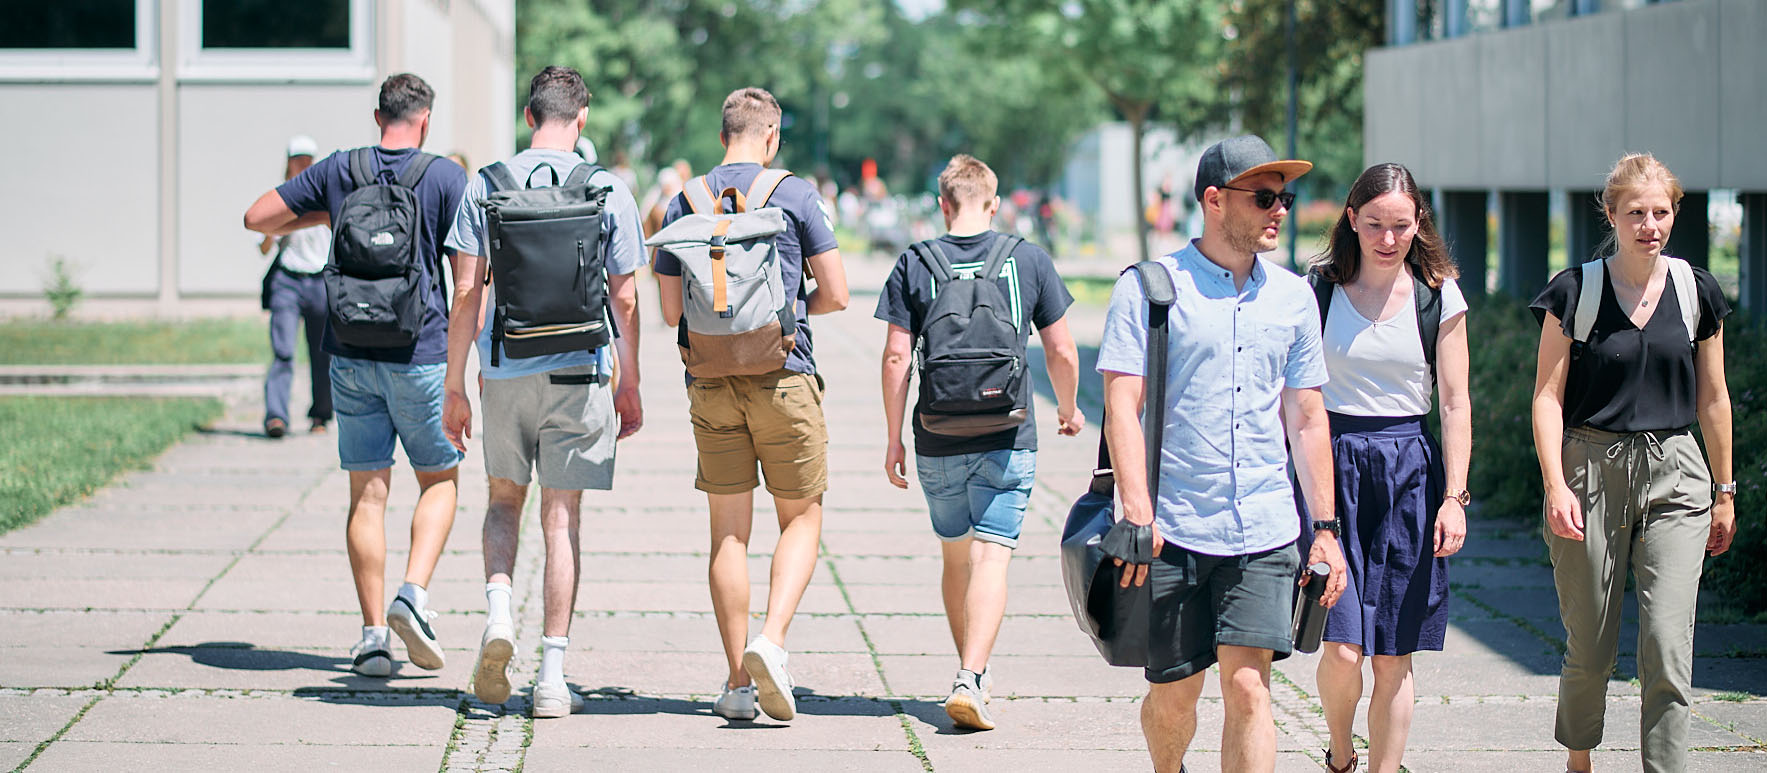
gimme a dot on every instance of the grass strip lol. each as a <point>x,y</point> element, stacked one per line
<point>140,342</point>
<point>59,449</point>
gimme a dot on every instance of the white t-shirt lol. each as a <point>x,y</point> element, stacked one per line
<point>305,251</point>
<point>1377,368</point>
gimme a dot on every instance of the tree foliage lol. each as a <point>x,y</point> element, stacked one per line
<point>1331,37</point>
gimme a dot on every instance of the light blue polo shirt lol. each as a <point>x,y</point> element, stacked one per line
<point>1224,487</point>
<point>622,242</point>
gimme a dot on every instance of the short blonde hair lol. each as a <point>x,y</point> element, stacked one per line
<point>749,111</point>
<point>966,180</point>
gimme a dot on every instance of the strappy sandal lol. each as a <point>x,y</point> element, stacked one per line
<point>1348,767</point>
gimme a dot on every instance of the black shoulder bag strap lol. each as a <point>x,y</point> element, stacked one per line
<point>1157,287</point>
<point>581,174</point>
<point>1322,292</point>
<point>1429,318</point>
<point>412,174</point>
<point>499,178</point>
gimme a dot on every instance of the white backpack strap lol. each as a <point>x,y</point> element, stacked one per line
<point>1686,292</point>
<point>762,188</point>
<point>1589,300</point>
<point>699,196</point>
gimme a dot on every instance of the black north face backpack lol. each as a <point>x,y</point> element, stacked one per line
<point>545,252</point>
<point>970,355</point>
<point>374,279</point>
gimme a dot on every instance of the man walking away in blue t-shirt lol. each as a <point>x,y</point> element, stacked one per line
<point>550,412</point>
<point>388,393</point>
<point>772,420</point>
<point>976,485</point>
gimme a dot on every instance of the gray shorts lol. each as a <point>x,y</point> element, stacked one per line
<point>565,429</point>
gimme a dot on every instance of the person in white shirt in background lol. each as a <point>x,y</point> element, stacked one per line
<point>294,292</point>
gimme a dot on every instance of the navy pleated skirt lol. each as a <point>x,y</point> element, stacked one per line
<point>1390,482</point>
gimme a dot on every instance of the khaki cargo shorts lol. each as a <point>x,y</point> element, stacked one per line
<point>774,420</point>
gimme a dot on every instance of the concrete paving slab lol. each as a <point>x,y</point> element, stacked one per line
<point>1017,675</point>
<point>66,667</point>
<point>71,532</point>
<point>12,753</point>
<point>931,635</point>
<point>1747,718</point>
<point>1554,759</point>
<point>1499,573</point>
<point>81,593</point>
<point>1460,674</point>
<point>52,630</point>
<point>545,758</point>
<point>34,718</point>
<point>839,543</point>
<point>110,566</point>
<point>334,592</point>
<point>1046,724</point>
<point>185,718</point>
<point>261,668</point>
<point>848,723</point>
<point>695,596</point>
<point>626,567</point>
<point>294,758</point>
<point>925,600</point>
<point>699,673</point>
<point>923,570</point>
<point>699,633</point>
<point>288,630</point>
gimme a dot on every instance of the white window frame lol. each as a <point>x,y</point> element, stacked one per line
<point>196,63</point>
<point>91,64</point>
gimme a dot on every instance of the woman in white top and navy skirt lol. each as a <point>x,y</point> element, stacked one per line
<point>1631,354</point>
<point>1384,283</point>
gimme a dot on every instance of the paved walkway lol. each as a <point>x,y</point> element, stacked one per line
<point>197,616</point>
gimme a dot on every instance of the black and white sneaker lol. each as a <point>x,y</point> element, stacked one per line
<point>370,657</point>
<point>412,626</point>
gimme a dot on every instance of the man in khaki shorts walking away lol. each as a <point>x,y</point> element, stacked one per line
<point>548,397</point>
<point>754,397</point>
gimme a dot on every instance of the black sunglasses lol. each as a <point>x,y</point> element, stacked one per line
<point>1265,199</point>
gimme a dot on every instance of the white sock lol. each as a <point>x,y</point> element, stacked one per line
<point>415,594</point>
<point>497,595</point>
<point>552,658</point>
<point>380,634</point>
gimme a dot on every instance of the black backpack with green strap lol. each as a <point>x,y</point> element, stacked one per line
<point>970,354</point>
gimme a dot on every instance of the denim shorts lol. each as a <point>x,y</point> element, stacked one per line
<point>378,402</point>
<point>981,495</point>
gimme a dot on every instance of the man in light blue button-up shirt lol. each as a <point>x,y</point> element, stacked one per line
<point>1244,360</point>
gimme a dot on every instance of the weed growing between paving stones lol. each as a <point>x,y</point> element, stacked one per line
<point>141,342</point>
<point>59,449</point>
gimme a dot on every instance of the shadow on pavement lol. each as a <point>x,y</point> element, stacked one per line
<point>244,656</point>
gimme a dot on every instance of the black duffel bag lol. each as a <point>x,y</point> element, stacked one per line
<point>1116,618</point>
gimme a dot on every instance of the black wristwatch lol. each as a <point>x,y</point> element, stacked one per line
<point>1336,529</point>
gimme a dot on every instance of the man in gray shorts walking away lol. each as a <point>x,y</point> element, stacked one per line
<point>1244,365</point>
<point>552,412</point>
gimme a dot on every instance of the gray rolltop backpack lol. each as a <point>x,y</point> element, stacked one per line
<point>1118,619</point>
<point>738,317</point>
<point>969,352</point>
<point>374,280</point>
<point>545,253</point>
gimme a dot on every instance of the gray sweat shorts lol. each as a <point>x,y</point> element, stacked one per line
<point>559,422</point>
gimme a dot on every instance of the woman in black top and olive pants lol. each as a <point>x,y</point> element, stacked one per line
<point>1616,392</point>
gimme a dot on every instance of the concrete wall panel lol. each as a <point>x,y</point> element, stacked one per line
<point>1742,89</point>
<point>82,167</point>
<point>1392,129</point>
<point>1452,135</point>
<point>231,145</point>
<point>1512,107</point>
<point>1586,97</point>
<point>427,48</point>
<point>1671,78</point>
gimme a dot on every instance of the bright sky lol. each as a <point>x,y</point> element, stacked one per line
<point>919,9</point>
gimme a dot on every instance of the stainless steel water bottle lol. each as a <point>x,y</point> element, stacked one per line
<point>1309,613</point>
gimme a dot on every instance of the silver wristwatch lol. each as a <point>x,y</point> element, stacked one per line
<point>1725,488</point>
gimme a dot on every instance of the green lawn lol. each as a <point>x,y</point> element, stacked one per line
<point>193,342</point>
<point>55,450</point>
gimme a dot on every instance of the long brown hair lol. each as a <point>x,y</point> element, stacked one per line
<point>1428,257</point>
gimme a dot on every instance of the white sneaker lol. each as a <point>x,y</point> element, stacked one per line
<point>967,706</point>
<point>371,657</point>
<point>736,702</point>
<point>412,626</point>
<point>765,662</point>
<point>490,676</point>
<point>985,681</point>
<point>553,700</point>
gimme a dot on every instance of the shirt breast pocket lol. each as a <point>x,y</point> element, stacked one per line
<point>1269,346</point>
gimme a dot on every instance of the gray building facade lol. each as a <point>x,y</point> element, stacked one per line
<point>1514,100</point>
<point>136,138</point>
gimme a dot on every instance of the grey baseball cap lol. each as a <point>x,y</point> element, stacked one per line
<point>1228,161</point>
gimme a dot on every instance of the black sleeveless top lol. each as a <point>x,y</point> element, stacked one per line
<point>1626,379</point>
